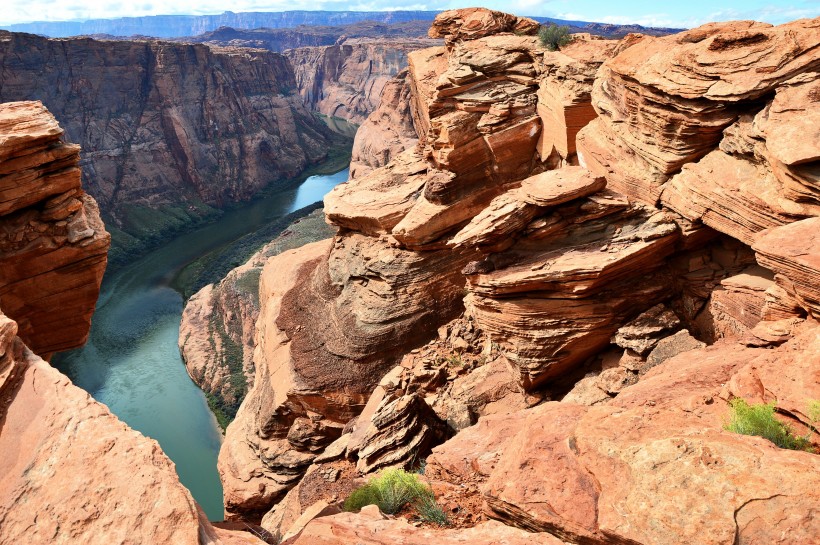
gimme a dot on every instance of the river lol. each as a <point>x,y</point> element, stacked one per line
<point>131,361</point>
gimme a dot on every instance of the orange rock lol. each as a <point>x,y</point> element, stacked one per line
<point>372,528</point>
<point>793,252</point>
<point>53,243</point>
<point>660,443</point>
<point>473,23</point>
<point>73,472</point>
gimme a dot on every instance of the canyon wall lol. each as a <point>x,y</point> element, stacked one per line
<point>281,39</point>
<point>168,130</point>
<point>71,472</point>
<point>345,80</point>
<point>540,278</point>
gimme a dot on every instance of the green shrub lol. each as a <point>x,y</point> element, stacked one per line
<point>393,489</point>
<point>429,510</point>
<point>759,420</point>
<point>554,37</point>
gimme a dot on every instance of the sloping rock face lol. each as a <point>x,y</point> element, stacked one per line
<point>387,131</point>
<point>216,333</point>
<point>635,470</point>
<point>373,528</point>
<point>346,80</point>
<point>166,124</point>
<point>549,232</point>
<point>72,472</point>
<point>52,242</point>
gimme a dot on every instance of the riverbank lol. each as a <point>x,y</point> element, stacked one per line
<point>132,361</point>
<point>146,229</point>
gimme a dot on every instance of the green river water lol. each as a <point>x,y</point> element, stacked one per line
<point>131,361</point>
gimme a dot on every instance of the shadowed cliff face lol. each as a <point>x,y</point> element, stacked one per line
<point>163,123</point>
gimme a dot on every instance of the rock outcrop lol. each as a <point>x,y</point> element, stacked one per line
<point>346,79</point>
<point>635,470</point>
<point>216,334</point>
<point>565,230</point>
<point>168,130</point>
<point>52,242</point>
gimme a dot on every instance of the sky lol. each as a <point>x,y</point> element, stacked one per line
<point>687,13</point>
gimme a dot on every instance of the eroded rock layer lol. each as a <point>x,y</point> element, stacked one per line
<point>634,470</point>
<point>52,242</point>
<point>587,216</point>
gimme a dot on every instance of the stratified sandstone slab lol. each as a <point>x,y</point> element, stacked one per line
<point>53,243</point>
<point>793,251</point>
<point>664,102</point>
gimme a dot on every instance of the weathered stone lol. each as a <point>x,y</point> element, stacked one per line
<point>53,243</point>
<point>644,332</point>
<point>660,442</point>
<point>792,251</point>
<point>473,23</point>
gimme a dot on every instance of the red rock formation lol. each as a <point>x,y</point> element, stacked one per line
<point>562,260</point>
<point>635,470</point>
<point>346,80</point>
<point>52,242</point>
<point>387,131</point>
<point>665,102</point>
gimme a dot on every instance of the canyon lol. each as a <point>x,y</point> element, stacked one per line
<point>170,132</point>
<point>546,281</point>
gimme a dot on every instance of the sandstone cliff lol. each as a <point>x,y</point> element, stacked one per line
<point>569,223</point>
<point>387,131</point>
<point>52,242</point>
<point>168,130</point>
<point>216,335</point>
<point>71,472</point>
<point>345,80</point>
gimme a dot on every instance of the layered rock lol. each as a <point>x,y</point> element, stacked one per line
<point>167,126</point>
<point>387,131</point>
<point>793,252</point>
<point>664,102</point>
<point>587,474</point>
<point>553,262</point>
<point>557,296</point>
<point>346,79</point>
<point>326,328</point>
<point>52,242</point>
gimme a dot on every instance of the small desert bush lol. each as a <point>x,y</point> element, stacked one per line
<point>759,420</point>
<point>393,489</point>
<point>554,37</point>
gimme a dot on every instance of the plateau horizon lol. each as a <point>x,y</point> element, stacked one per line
<point>683,14</point>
